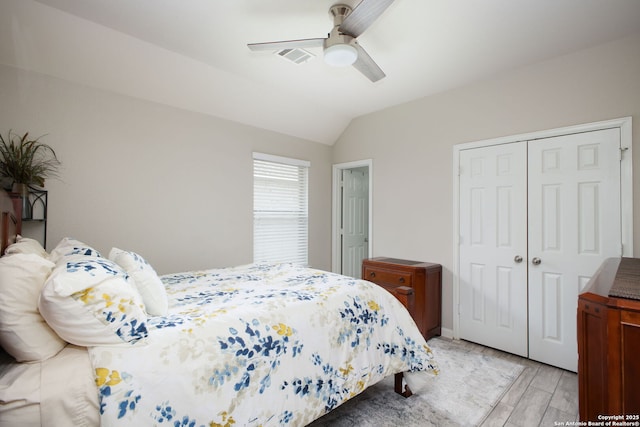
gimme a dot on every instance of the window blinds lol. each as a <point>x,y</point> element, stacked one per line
<point>280,209</point>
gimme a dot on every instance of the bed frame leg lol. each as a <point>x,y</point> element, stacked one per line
<point>398,386</point>
<point>406,296</point>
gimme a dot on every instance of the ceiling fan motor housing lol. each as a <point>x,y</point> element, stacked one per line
<point>337,39</point>
<point>338,49</point>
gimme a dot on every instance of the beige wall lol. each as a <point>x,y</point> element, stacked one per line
<point>176,186</point>
<point>411,144</point>
<point>173,185</point>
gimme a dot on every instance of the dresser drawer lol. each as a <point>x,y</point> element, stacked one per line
<point>387,278</point>
<point>418,285</point>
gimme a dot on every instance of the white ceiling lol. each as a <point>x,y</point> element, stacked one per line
<point>193,53</point>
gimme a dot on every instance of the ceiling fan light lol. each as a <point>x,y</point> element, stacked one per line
<point>340,55</point>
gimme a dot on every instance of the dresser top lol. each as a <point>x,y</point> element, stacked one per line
<point>401,262</point>
<point>616,279</point>
<point>627,280</point>
<point>397,261</point>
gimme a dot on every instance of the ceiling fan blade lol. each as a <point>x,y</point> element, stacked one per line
<point>363,16</point>
<point>366,65</point>
<point>286,44</point>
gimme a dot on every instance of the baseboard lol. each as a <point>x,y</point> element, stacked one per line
<point>447,333</point>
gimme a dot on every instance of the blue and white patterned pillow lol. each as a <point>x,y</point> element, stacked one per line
<point>70,247</point>
<point>146,280</point>
<point>91,301</point>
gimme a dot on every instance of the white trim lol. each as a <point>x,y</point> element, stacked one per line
<point>626,189</point>
<point>336,206</point>
<point>280,159</point>
<point>455,267</point>
<point>626,195</point>
<point>607,124</point>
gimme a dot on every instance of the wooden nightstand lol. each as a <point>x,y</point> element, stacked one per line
<point>425,279</point>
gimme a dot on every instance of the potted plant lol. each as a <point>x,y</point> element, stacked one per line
<point>26,162</point>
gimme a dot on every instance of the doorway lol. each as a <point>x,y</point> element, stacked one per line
<point>351,218</point>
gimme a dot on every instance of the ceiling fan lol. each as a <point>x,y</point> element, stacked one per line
<point>341,47</point>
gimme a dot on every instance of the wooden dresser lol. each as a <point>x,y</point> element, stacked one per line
<point>609,342</point>
<point>425,279</point>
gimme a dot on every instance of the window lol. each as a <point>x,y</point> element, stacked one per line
<point>280,214</point>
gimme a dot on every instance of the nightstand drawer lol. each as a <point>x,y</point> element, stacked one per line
<point>388,278</point>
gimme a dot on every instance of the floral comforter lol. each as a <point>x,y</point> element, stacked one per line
<point>257,345</point>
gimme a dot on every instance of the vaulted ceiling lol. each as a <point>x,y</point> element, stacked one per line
<point>193,53</point>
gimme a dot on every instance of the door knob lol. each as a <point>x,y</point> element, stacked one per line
<point>518,259</point>
<point>536,261</point>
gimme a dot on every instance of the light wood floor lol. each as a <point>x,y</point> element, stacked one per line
<point>541,396</point>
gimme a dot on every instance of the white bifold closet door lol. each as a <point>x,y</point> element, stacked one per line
<point>537,218</point>
<point>574,225</point>
<point>493,244</point>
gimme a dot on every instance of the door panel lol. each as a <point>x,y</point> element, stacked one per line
<point>355,220</point>
<point>493,293</point>
<point>574,225</point>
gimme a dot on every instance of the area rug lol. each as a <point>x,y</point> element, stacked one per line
<point>470,384</point>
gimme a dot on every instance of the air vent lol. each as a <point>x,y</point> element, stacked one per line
<point>297,56</point>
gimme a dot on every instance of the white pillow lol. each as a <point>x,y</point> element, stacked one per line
<point>146,280</point>
<point>90,301</point>
<point>69,246</point>
<point>23,332</point>
<point>25,245</point>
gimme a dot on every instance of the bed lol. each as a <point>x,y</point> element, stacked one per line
<point>100,339</point>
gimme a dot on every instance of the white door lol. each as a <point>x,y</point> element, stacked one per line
<point>493,244</point>
<point>355,220</point>
<point>574,225</point>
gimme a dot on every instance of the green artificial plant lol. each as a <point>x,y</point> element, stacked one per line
<point>27,161</point>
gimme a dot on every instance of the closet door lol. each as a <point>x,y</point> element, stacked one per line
<point>574,225</point>
<point>493,243</point>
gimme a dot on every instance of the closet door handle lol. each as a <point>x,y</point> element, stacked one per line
<point>518,259</point>
<point>536,261</point>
